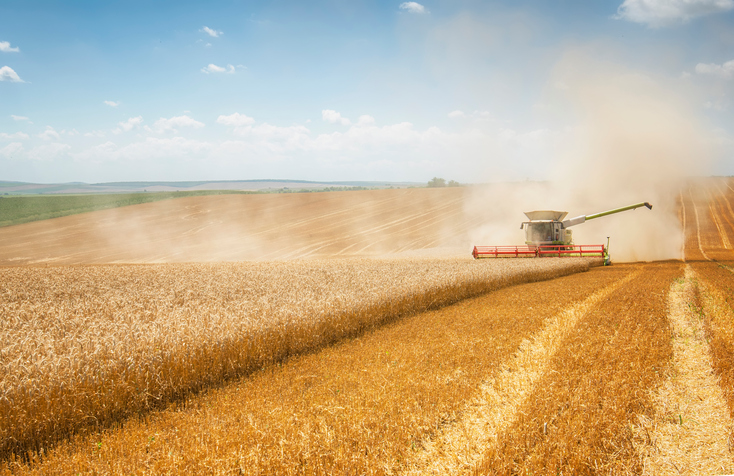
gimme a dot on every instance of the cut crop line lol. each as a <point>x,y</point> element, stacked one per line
<point>722,233</point>
<point>728,217</point>
<point>461,446</point>
<point>698,228</point>
<point>683,245</point>
<point>690,436</point>
<point>715,216</point>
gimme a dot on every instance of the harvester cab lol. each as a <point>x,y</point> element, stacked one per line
<point>548,234</point>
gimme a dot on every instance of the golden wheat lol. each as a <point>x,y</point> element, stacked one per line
<point>362,406</point>
<point>86,346</point>
<point>580,417</point>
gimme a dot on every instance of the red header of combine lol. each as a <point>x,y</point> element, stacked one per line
<point>533,251</point>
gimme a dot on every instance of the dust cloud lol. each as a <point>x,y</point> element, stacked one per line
<point>632,138</point>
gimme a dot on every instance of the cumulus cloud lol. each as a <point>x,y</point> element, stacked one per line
<point>49,134</point>
<point>211,32</point>
<point>333,117</point>
<point>128,125</point>
<point>365,120</point>
<point>476,115</point>
<point>212,68</point>
<point>99,134</point>
<point>236,120</point>
<point>112,103</point>
<point>413,7</point>
<point>47,152</point>
<point>19,118</point>
<point>657,13</point>
<point>175,123</point>
<point>7,74</point>
<point>267,137</point>
<point>725,70</point>
<point>6,48</point>
<point>17,135</point>
<point>152,148</point>
<point>11,150</point>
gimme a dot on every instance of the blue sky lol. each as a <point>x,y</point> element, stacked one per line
<point>354,90</point>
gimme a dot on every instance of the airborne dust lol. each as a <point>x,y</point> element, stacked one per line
<point>633,138</point>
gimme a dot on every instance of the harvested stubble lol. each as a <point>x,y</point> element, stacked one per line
<point>580,418</point>
<point>716,298</point>
<point>83,347</point>
<point>359,407</point>
<point>690,434</point>
<point>707,213</point>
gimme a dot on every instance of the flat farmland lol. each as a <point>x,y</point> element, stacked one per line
<point>408,365</point>
<point>246,227</point>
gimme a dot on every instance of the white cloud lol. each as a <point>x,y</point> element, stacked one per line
<point>174,123</point>
<point>49,134</point>
<point>96,134</point>
<point>333,117</point>
<point>128,125</point>
<point>482,115</point>
<point>47,152</point>
<point>236,120</point>
<point>7,74</point>
<point>152,148</point>
<point>365,120</point>
<point>19,118</point>
<point>212,68</point>
<point>11,150</point>
<point>725,70</point>
<point>413,7</point>
<point>17,135</point>
<point>210,32</point>
<point>6,48</point>
<point>657,13</point>
<point>476,115</point>
<point>112,103</point>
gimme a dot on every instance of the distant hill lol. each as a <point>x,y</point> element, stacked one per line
<point>272,185</point>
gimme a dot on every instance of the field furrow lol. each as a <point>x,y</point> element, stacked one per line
<point>579,418</point>
<point>459,447</point>
<point>716,297</point>
<point>690,430</point>
<point>360,407</point>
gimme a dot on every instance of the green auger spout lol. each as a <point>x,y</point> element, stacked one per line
<point>583,218</point>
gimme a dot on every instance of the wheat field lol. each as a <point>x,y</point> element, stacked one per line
<point>89,346</point>
<point>377,366</point>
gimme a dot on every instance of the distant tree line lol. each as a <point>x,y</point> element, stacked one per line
<point>438,182</point>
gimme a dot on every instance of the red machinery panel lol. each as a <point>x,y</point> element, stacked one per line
<point>532,251</point>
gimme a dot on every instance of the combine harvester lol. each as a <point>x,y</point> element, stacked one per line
<point>547,235</point>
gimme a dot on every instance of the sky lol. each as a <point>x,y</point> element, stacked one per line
<point>337,90</point>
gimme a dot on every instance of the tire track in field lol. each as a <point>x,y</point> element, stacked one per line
<point>727,202</point>
<point>425,219</point>
<point>459,448</point>
<point>690,435</point>
<point>717,221</point>
<point>698,227</point>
